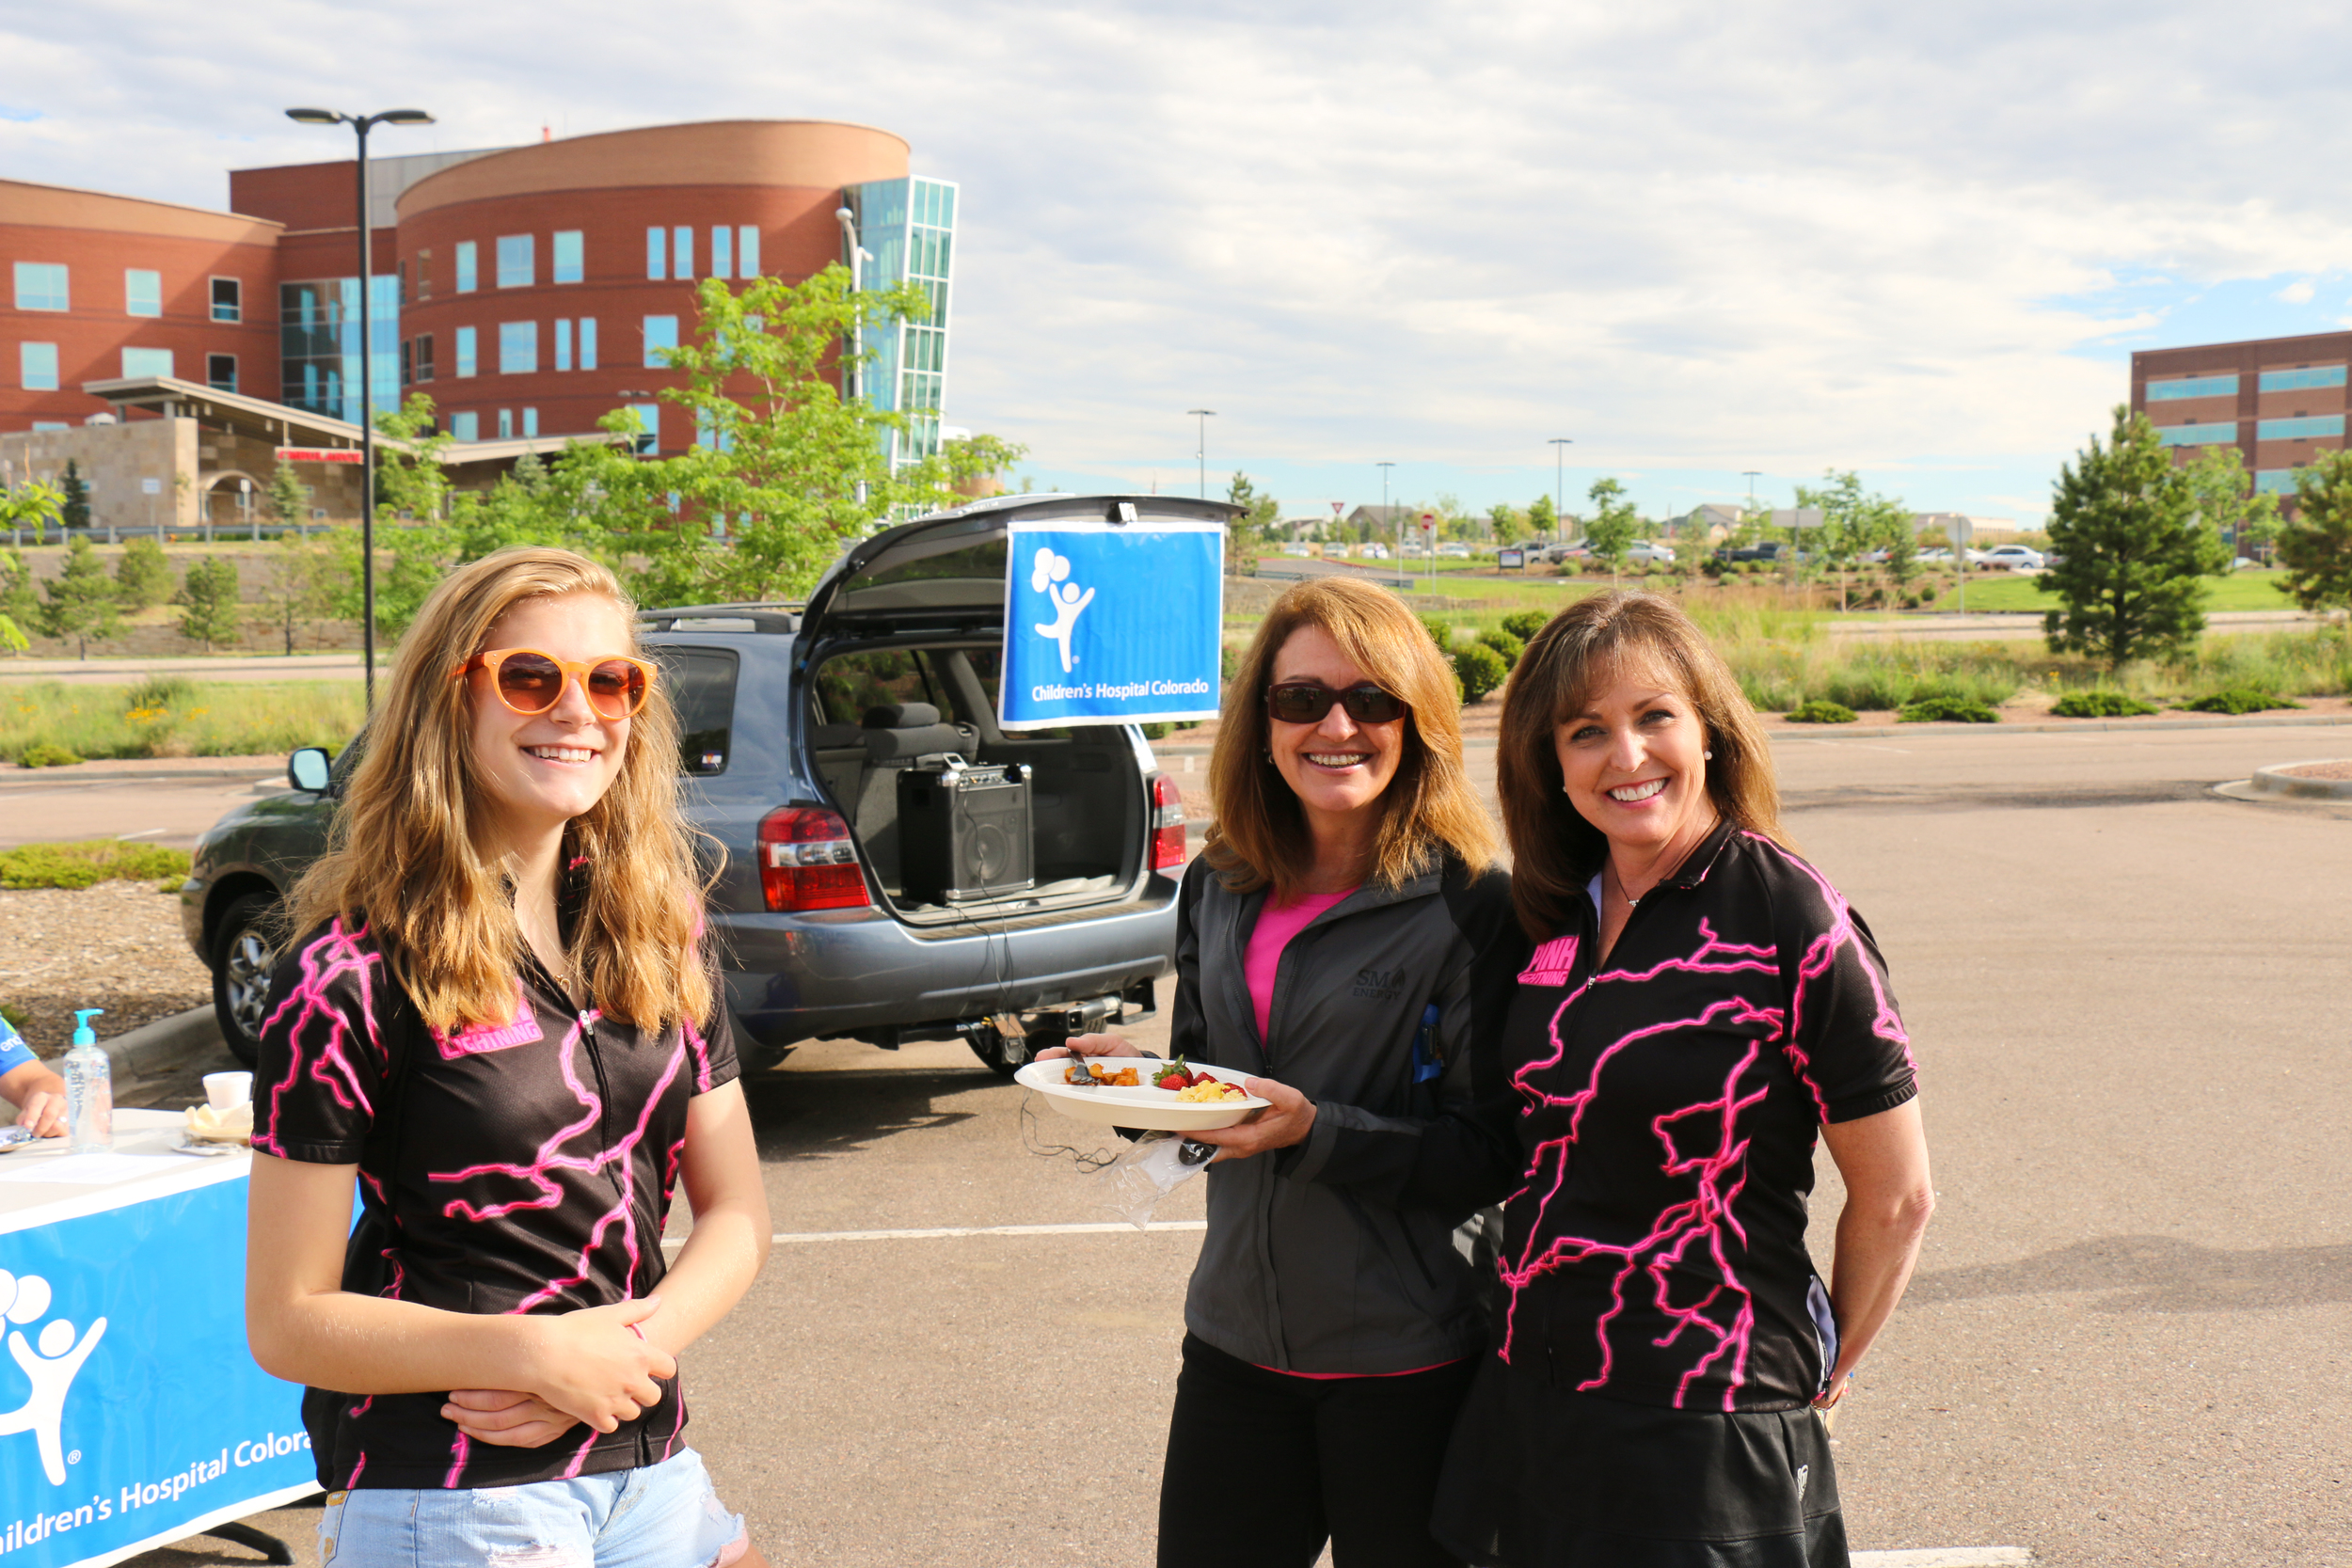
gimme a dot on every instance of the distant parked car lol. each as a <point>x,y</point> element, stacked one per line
<point>1375,552</point>
<point>1454,550</point>
<point>2017,558</point>
<point>1649,553</point>
<point>1767,549</point>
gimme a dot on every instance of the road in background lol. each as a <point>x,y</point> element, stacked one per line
<point>241,667</point>
<point>2127,1343</point>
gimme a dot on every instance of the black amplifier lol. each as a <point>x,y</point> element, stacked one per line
<point>964,834</point>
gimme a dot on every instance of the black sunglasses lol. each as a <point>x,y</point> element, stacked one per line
<point>1307,702</point>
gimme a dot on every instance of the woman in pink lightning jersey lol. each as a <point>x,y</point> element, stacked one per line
<point>495,1020</point>
<point>1702,1008</point>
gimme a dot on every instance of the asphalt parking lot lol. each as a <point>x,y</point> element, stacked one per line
<point>2130,1341</point>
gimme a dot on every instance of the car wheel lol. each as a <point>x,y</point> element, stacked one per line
<point>243,957</point>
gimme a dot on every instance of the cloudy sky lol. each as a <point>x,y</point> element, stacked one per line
<point>1921,242</point>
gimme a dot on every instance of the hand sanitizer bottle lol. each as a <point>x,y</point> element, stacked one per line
<point>89,1089</point>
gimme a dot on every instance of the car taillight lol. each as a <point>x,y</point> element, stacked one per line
<point>1167,824</point>
<point>807,860</point>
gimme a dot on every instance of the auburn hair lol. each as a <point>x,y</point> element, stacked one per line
<point>1259,837</point>
<point>405,859</point>
<point>1555,851</point>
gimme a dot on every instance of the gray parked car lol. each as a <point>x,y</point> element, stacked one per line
<point>815,742</point>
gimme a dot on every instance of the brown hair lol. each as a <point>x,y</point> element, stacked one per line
<point>1260,837</point>
<point>1555,851</point>
<point>404,859</point>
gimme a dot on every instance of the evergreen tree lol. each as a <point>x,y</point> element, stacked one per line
<point>2316,547</point>
<point>76,511</point>
<point>2130,552</point>
<point>80,601</point>
<point>143,576</point>
<point>1241,538</point>
<point>210,595</point>
<point>289,502</point>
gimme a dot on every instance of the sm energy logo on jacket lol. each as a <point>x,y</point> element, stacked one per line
<point>130,1407</point>
<point>1111,624</point>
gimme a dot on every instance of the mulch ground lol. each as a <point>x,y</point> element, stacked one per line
<point>117,945</point>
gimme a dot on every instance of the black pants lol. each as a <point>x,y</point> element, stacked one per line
<point>1262,1467</point>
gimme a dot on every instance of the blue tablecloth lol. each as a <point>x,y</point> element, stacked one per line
<point>131,1412</point>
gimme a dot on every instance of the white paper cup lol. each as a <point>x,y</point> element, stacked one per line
<point>226,1090</point>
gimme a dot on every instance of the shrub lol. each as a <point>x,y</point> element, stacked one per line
<point>1525,623</point>
<point>45,756</point>
<point>1154,731</point>
<point>88,863</point>
<point>2237,699</point>
<point>2100,703</point>
<point>1502,642</point>
<point>1481,670</point>
<point>142,577</point>
<point>1439,633</point>
<point>161,691</point>
<point>1947,710</point>
<point>1822,712</point>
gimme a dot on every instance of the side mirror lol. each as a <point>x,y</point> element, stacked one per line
<point>307,769</point>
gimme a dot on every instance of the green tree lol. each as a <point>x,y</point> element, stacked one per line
<point>74,510</point>
<point>80,601</point>
<point>1260,514</point>
<point>1508,524</point>
<point>2132,553</point>
<point>1615,525</point>
<point>2316,547</point>
<point>31,504</point>
<point>2227,501</point>
<point>290,499</point>
<point>142,577</point>
<point>304,575</point>
<point>1854,524</point>
<point>1542,520</point>
<point>18,603</point>
<point>209,594</point>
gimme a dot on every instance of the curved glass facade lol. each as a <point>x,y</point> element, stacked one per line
<point>907,226</point>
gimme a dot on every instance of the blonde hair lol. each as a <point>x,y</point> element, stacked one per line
<point>405,862</point>
<point>1555,851</point>
<point>1259,836</point>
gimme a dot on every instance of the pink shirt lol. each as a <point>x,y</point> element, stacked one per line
<point>1277,924</point>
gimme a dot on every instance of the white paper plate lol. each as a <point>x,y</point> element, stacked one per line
<point>1144,1106</point>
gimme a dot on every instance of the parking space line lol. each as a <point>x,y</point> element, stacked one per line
<point>1946,1557</point>
<point>791,1237</point>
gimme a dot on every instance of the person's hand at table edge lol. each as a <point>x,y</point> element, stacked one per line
<point>1287,1118</point>
<point>44,1110</point>
<point>506,1417</point>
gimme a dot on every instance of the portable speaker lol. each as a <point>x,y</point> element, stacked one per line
<point>964,833</point>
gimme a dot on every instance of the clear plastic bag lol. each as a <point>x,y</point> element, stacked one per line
<point>1146,1171</point>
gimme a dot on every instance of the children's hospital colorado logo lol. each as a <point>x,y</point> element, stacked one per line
<point>49,1360</point>
<point>1111,624</point>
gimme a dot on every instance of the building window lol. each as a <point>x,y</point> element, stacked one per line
<point>37,367</point>
<point>465,279</point>
<point>2300,429</point>
<point>408,363</point>
<point>656,254</point>
<point>145,361</point>
<point>41,286</point>
<point>563,343</point>
<point>228,300</point>
<point>2274,482</point>
<point>220,371</point>
<point>466,355</point>
<point>660,337</point>
<point>519,348</point>
<point>721,251</point>
<point>587,343</point>
<point>424,273</point>
<point>531,423</point>
<point>425,356</point>
<point>2307,377</point>
<point>2193,387</point>
<point>747,251</point>
<point>506,425</point>
<point>142,291</point>
<point>682,252</point>
<point>51,424</point>
<point>648,426</point>
<point>570,257</point>
<point>517,263</point>
<point>466,426</point>
<point>2198,434</point>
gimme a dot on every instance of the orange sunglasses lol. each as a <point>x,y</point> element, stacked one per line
<point>531,682</point>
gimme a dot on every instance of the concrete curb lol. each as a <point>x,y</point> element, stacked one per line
<point>2275,783</point>
<point>64,776</point>
<point>165,1044</point>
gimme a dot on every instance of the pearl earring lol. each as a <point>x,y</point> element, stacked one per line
<point>1707,756</point>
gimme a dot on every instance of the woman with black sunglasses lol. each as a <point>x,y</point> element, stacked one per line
<point>1343,937</point>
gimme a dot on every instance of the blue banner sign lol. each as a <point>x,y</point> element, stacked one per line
<point>130,1410</point>
<point>1111,624</point>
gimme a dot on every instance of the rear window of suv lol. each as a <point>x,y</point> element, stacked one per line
<point>702,689</point>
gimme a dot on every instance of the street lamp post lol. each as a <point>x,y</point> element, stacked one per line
<point>1201,450</point>
<point>1384,468</point>
<point>1559,528</point>
<point>362,124</point>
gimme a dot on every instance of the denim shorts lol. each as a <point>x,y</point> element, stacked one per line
<point>663,1515</point>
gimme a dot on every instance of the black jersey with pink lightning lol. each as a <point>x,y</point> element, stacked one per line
<point>521,1167</point>
<point>1669,1099</point>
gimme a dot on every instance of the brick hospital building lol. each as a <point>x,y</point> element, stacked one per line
<point>528,291</point>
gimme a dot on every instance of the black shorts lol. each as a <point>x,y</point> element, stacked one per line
<point>1544,1477</point>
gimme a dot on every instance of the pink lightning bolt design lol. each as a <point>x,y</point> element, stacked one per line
<point>1690,1252</point>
